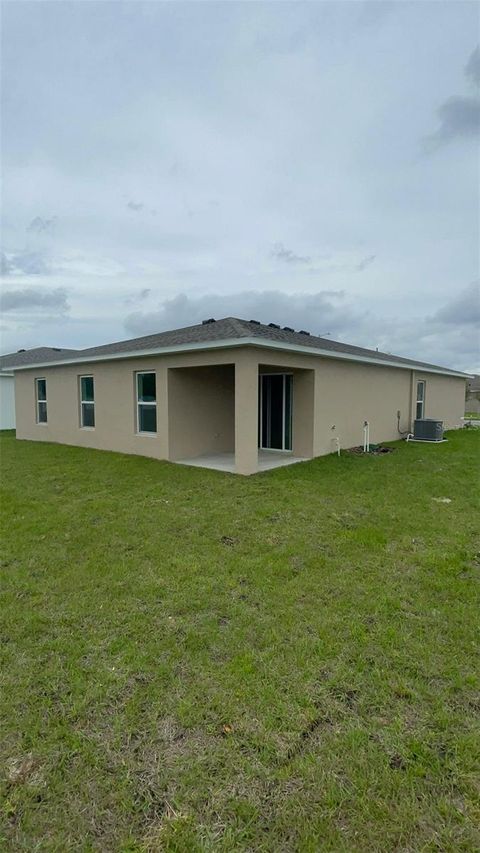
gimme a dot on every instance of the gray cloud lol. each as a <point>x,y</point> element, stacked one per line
<point>459,115</point>
<point>472,68</point>
<point>325,311</point>
<point>439,339</point>
<point>34,259</point>
<point>459,119</point>
<point>366,262</point>
<point>31,299</point>
<point>281,253</point>
<point>462,310</point>
<point>31,263</point>
<point>40,226</point>
<point>139,206</point>
<point>139,295</point>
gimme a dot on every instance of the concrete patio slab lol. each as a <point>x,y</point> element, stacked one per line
<point>267,459</point>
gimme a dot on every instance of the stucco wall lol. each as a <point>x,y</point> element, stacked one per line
<point>7,402</point>
<point>202,413</point>
<point>115,415</point>
<point>203,400</point>
<point>115,419</point>
<point>347,395</point>
<point>444,398</point>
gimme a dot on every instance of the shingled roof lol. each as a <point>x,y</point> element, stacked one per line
<point>36,355</point>
<point>231,330</point>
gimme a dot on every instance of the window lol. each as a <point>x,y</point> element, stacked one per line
<point>87,402</point>
<point>41,400</point>
<point>420,409</point>
<point>146,402</point>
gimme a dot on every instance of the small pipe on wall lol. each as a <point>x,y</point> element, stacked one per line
<point>336,440</point>
<point>366,437</point>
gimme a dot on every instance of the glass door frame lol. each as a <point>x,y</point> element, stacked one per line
<point>261,376</point>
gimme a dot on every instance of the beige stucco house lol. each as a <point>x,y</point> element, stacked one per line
<point>230,394</point>
<point>7,381</point>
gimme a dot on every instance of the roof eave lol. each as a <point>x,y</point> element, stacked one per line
<point>230,343</point>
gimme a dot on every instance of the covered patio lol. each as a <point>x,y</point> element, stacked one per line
<point>240,417</point>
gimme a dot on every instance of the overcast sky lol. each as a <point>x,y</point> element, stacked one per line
<point>312,164</point>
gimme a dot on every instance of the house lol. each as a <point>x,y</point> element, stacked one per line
<point>7,400</point>
<point>7,384</point>
<point>231,394</point>
<point>472,399</point>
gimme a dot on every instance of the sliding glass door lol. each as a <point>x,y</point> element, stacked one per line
<point>275,411</point>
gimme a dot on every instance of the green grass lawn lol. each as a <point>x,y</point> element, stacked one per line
<point>193,661</point>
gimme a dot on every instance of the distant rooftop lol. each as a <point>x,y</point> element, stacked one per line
<point>474,383</point>
<point>228,331</point>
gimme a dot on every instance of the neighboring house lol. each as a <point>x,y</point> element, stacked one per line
<point>472,399</point>
<point>230,394</point>
<point>7,382</point>
<point>7,400</point>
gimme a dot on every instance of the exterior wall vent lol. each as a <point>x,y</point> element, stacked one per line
<point>428,429</point>
<point>207,322</point>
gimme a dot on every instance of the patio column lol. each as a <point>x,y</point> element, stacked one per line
<point>246,413</point>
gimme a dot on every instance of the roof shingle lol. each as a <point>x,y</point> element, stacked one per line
<point>37,355</point>
<point>226,329</point>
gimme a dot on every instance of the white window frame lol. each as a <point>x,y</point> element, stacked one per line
<point>139,403</point>
<point>38,401</point>
<point>87,402</point>
<point>420,401</point>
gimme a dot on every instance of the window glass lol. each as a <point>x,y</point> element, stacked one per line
<point>275,414</point>
<point>87,402</point>
<point>420,406</point>
<point>41,400</point>
<point>146,402</point>
<point>146,388</point>
<point>86,387</point>
<point>147,418</point>
<point>88,414</point>
<point>41,389</point>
